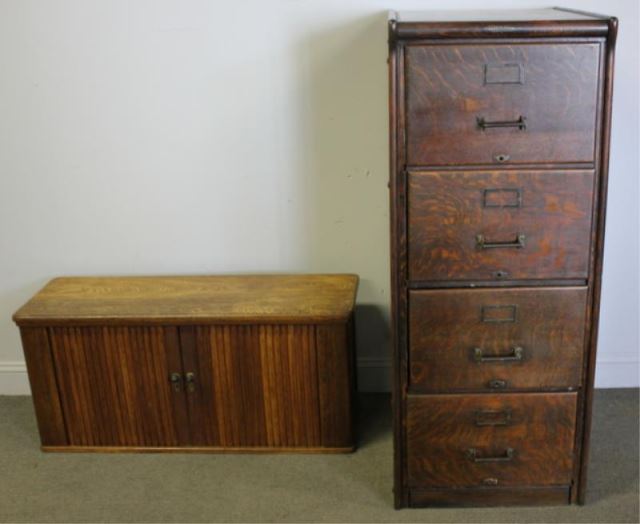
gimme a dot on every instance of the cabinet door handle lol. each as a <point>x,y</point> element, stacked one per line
<point>516,355</point>
<point>474,456</point>
<point>483,243</point>
<point>176,381</point>
<point>190,379</point>
<point>483,124</point>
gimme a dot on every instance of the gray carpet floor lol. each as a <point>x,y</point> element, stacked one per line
<point>62,487</point>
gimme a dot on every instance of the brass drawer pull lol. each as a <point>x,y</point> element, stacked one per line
<point>483,124</point>
<point>483,243</point>
<point>474,456</point>
<point>516,355</point>
<point>190,379</point>
<point>493,418</point>
<point>176,381</point>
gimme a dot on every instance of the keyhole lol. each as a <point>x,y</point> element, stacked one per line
<point>502,158</point>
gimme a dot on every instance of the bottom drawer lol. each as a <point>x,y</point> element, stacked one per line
<point>538,496</point>
<point>515,439</point>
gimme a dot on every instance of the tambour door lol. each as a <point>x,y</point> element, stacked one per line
<point>267,386</point>
<point>115,387</point>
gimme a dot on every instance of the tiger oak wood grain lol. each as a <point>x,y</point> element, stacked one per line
<point>447,210</point>
<point>191,300</point>
<point>441,428</point>
<point>447,326</point>
<point>454,82</point>
<point>447,92</point>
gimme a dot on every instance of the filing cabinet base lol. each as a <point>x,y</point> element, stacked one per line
<point>534,496</point>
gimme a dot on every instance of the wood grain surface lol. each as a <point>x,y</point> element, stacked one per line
<point>114,386</point>
<point>238,387</point>
<point>442,428</point>
<point>478,497</point>
<point>447,91</point>
<point>191,300</point>
<point>447,326</point>
<point>448,210</point>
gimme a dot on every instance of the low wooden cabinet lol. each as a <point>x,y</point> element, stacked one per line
<point>200,363</point>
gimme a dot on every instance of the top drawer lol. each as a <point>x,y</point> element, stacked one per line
<point>501,103</point>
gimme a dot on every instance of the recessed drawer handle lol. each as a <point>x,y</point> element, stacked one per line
<point>489,417</point>
<point>474,456</point>
<point>483,243</point>
<point>483,124</point>
<point>517,353</point>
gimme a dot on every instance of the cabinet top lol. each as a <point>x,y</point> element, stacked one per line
<point>550,22</point>
<point>191,300</point>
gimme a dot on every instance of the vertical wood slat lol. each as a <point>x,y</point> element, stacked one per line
<point>44,389</point>
<point>114,387</point>
<point>264,386</point>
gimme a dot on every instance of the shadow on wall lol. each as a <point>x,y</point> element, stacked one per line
<point>343,72</point>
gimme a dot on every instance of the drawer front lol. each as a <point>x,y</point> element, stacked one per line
<point>483,339</point>
<point>483,104</point>
<point>490,440</point>
<point>492,225</point>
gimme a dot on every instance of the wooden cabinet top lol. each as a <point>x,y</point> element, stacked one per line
<point>486,23</point>
<point>191,300</point>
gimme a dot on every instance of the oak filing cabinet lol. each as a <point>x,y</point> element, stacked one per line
<point>499,136</point>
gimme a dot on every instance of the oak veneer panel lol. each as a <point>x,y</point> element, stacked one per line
<point>448,210</point>
<point>446,327</point>
<point>44,389</point>
<point>450,86</point>
<point>539,428</point>
<point>191,300</point>
<point>114,388</point>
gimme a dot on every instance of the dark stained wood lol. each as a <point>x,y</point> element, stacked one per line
<point>438,78</point>
<point>191,300</point>
<point>447,326</point>
<point>114,385</point>
<point>448,210</point>
<point>597,255</point>
<point>335,385</point>
<point>442,428</point>
<point>473,497</point>
<point>449,88</point>
<point>44,390</point>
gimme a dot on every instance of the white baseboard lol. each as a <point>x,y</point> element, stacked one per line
<point>374,374</point>
<point>617,373</point>
<point>13,378</point>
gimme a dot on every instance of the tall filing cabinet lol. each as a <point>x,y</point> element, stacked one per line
<point>499,133</point>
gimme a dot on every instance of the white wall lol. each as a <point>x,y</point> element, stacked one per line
<point>191,136</point>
